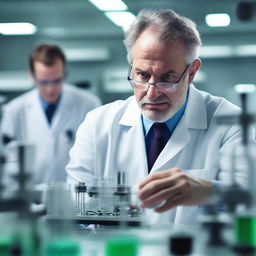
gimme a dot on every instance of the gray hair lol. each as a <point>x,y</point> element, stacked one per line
<point>172,27</point>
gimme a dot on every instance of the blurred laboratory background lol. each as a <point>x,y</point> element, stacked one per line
<point>91,37</point>
<point>91,34</point>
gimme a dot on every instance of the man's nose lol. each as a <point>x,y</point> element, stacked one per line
<point>153,92</point>
<point>49,88</point>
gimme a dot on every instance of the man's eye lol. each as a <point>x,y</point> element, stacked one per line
<point>142,75</point>
<point>168,78</point>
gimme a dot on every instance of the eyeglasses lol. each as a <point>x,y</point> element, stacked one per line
<point>162,86</point>
<point>49,82</point>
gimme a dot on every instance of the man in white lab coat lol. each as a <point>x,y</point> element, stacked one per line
<point>163,55</point>
<point>48,115</point>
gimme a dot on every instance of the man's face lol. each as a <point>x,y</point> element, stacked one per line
<point>154,62</point>
<point>48,80</point>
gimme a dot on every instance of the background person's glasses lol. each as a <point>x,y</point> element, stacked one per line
<point>162,86</point>
<point>49,82</point>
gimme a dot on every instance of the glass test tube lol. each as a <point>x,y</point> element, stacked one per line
<point>80,191</point>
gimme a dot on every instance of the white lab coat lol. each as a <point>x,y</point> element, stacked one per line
<point>111,139</point>
<point>24,120</point>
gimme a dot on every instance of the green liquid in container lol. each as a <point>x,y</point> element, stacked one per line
<point>5,246</point>
<point>245,230</point>
<point>63,248</point>
<point>125,246</point>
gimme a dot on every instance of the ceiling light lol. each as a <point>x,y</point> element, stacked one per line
<point>216,51</point>
<point>109,5</point>
<point>225,51</point>
<point>217,20</point>
<point>87,54</point>
<point>121,19</point>
<point>245,88</point>
<point>15,81</point>
<point>246,50</point>
<point>115,80</point>
<point>17,28</point>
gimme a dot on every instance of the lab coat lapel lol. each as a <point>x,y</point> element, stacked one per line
<point>195,117</point>
<point>176,143</point>
<point>135,143</point>
<point>34,111</point>
<point>63,112</point>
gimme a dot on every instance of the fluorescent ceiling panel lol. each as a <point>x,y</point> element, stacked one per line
<point>121,19</point>
<point>115,80</point>
<point>109,5</point>
<point>246,50</point>
<point>216,51</point>
<point>245,88</point>
<point>217,20</point>
<point>15,80</point>
<point>18,28</point>
<point>87,54</point>
<point>225,51</point>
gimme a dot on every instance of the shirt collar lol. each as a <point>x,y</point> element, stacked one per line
<point>171,123</point>
<point>45,104</point>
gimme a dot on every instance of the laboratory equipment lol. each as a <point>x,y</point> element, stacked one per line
<point>2,153</point>
<point>122,244</point>
<point>112,202</point>
<point>80,191</point>
<point>63,247</point>
<point>58,200</point>
<point>236,201</point>
<point>106,201</point>
<point>24,237</point>
<point>180,244</point>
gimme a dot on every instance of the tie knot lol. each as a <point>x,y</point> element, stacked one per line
<point>159,130</point>
<point>50,111</point>
<point>50,107</point>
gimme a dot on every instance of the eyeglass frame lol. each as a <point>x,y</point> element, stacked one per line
<point>174,85</point>
<point>49,83</point>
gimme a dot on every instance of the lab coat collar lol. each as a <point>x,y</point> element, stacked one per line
<point>35,110</point>
<point>63,112</point>
<point>132,114</point>
<point>61,116</point>
<point>195,115</point>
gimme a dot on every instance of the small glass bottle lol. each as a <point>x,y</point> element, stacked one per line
<point>93,205</point>
<point>80,191</point>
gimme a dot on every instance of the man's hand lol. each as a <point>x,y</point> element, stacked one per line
<point>173,187</point>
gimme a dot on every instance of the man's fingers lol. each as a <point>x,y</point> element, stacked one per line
<point>161,196</point>
<point>158,175</point>
<point>170,203</point>
<point>178,179</point>
<point>154,187</point>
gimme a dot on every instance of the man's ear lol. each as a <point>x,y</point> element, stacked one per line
<point>195,66</point>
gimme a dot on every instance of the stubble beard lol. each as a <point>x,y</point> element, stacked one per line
<point>157,115</point>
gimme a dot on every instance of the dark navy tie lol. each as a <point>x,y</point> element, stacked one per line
<point>49,112</point>
<point>160,136</point>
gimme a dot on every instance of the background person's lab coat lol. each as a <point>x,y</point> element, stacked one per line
<point>24,120</point>
<point>111,139</point>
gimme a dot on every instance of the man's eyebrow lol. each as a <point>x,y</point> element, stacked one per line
<point>161,74</point>
<point>168,72</point>
<point>139,69</point>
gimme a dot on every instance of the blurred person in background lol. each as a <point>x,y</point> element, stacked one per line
<point>48,115</point>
